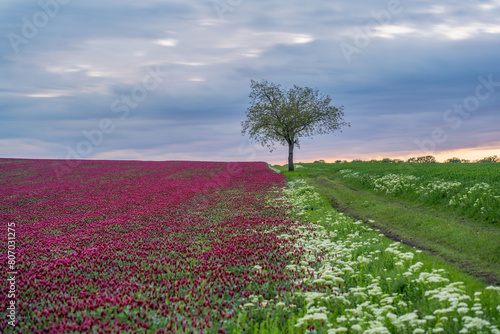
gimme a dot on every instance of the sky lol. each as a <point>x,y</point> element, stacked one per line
<point>169,80</point>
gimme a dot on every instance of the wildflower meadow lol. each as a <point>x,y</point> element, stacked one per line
<point>478,200</point>
<point>208,247</point>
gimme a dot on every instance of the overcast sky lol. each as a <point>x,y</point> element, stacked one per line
<point>169,80</point>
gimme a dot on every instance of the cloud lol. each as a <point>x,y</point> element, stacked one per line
<point>26,148</point>
<point>412,66</point>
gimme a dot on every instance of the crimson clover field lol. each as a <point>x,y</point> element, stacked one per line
<point>115,246</point>
<point>209,247</point>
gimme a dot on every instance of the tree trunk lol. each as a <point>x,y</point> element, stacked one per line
<point>290,157</point>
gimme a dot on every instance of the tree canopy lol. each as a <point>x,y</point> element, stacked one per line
<point>423,159</point>
<point>278,115</point>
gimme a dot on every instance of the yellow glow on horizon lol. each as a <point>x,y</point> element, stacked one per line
<point>468,153</point>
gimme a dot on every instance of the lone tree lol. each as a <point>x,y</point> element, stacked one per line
<point>284,115</point>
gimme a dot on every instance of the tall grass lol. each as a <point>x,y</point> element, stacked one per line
<point>472,190</point>
<point>357,281</point>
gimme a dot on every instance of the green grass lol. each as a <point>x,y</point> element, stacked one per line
<point>471,190</point>
<point>469,173</point>
<point>473,245</point>
<point>380,286</point>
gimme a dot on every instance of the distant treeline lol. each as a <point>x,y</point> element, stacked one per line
<point>422,159</point>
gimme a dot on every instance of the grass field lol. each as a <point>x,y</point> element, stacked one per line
<point>468,189</point>
<point>207,247</point>
<point>411,202</point>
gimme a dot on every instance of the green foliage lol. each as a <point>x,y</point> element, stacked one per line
<point>278,115</point>
<point>361,282</point>
<point>284,115</point>
<point>472,190</point>
<point>423,159</point>
<point>493,158</point>
<point>453,160</point>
